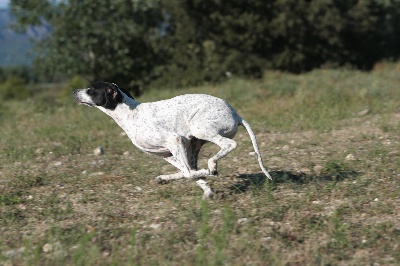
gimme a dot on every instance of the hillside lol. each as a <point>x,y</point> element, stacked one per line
<point>330,139</point>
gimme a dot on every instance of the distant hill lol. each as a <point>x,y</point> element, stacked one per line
<point>15,48</point>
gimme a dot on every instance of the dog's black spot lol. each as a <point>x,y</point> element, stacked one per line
<point>105,94</point>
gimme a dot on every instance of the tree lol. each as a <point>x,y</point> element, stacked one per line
<point>188,42</point>
<point>245,37</point>
<point>207,41</point>
<point>104,40</point>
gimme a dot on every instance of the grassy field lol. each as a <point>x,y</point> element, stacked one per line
<point>330,139</point>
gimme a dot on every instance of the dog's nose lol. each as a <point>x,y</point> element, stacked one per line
<point>75,91</point>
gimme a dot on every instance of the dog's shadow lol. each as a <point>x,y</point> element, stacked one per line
<point>249,181</point>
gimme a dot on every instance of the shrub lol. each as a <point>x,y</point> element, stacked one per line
<point>76,82</point>
<point>14,88</point>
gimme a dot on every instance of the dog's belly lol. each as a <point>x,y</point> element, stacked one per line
<point>150,144</point>
<point>162,152</point>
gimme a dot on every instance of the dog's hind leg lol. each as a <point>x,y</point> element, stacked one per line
<point>208,193</point>
<point>226,144</point>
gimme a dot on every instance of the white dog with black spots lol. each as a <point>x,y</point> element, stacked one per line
<point>174,129</point>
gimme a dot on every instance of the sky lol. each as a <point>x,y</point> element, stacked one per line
<point>4,3</point>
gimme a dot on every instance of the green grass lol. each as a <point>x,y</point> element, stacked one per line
<point>61,205</point>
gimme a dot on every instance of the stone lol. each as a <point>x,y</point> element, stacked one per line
<point>285,148</point>
<point>350,157</point>
<point>47,248</point>
<point>243,221</point>
<point>98,151</point>
<point>39,151</point>
<point>155,226</point>
<point>305,170</point>
<point>318,169</point>
<point>363,112</point>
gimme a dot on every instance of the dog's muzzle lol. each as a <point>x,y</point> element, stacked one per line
<point>79,100</point>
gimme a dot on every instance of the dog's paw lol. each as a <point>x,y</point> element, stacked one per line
<point>213,172</point>
<point>212,167</point>
<point>208,195</point>
<point>160,180</point>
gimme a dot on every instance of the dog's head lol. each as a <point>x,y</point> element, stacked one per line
<point>101,94</point>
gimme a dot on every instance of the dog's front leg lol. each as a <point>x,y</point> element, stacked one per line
<point>163,179</point>
<point>176,144</point>
<point>207,192</point>
<point>193,174</point>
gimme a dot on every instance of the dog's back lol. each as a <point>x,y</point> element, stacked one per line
<point>191,112</point>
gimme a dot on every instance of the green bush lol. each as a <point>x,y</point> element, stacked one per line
<point>14,88</point>
<point>76,82</point>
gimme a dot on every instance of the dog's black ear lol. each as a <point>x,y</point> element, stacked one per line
<point>123,90</point>
<point>113,96</point>
<point>113,93</point>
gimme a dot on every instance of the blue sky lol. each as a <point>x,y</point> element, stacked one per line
<point>4,3</point>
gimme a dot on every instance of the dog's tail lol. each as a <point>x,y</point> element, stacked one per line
<point>254,141</point>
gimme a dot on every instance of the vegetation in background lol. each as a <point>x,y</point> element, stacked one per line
<point>22,72</point>
<point>209,40</point>
<point>14,88</point>
<point>186,42</point>
<point>76,82</point>
<point>111,40</point>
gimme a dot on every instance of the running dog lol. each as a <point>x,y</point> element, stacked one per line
<point>174,129</point>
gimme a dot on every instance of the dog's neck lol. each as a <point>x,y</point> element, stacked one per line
<point>128,102</point>
<point>124,112</point>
